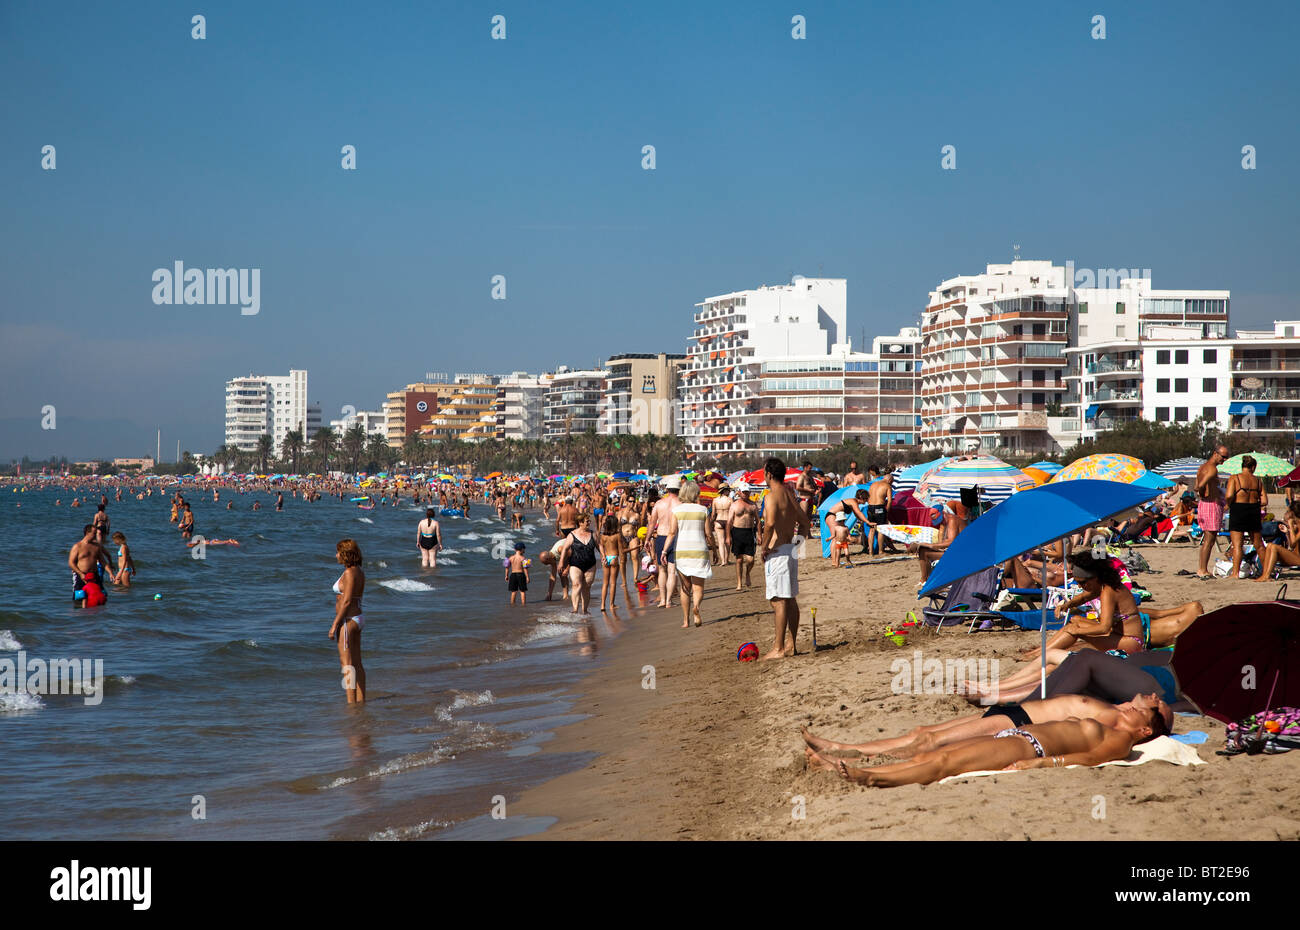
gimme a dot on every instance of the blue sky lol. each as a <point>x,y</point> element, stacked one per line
<point>523,158</point>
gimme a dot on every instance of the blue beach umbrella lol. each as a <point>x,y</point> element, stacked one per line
<point>1030,519</point>
<point>825,506</point>
<point>1050,468</point>
<point>1153,480</point>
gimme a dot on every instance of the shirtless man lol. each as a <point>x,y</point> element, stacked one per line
<point>566,517</point>
<point>807,491</point>
<point>782,519</point>
<point>878,498</point>
<point>998,718</point>
<point>1076,741</point>
<point>719,512</point>
<point>657,526</point>
<point>1209,507</point>
<point>739,534</point>
<point>85,557</point>
<point>854,475</point>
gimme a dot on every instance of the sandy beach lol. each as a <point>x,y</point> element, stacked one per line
<point>713,751</point>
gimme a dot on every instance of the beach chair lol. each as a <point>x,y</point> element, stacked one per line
<point>967,600</point>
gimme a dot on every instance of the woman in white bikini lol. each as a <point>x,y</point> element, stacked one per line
<point>348,619</point>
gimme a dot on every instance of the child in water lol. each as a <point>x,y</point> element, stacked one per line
<point>517,576</point>
<point>125,564</point>
<point>612,547</point>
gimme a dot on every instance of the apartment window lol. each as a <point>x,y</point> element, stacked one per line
<point>1119,332</point>
<point>1180,385</point>
<point>1162,357</point>
<point>1210,356</point>
<point>1180,414</point>
<point>1119,308</point>
<point>1083,307</point>
<point>1180,357</point>
<point>1208,414</point>
<point>1162,414</point>
<point>1209,385</point>
<point>1040,399</point>
<point>1083,331</point>
<point>1162,385</point>
<point>1040,329</point>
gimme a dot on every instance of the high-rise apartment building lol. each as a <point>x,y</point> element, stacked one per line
<point>269,404</point>
<point>641,394</point>
<point>575,402</point>
<point>520,407</point>
<point>735,334</point>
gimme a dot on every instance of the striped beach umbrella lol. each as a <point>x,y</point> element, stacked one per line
<point>1186,467</point>
<point>1266,466</point>
<point>1050,467</point>
<point>995,478</point>
<point>1106,466</point>
<point>906,479</point>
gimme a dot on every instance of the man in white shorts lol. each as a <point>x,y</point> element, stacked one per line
<point>783,518</point>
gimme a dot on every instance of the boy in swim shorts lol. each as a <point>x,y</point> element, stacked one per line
<point>517,576</point>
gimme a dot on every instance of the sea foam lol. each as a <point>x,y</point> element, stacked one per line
<point>405,584</point>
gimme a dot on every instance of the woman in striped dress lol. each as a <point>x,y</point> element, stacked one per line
<point>689,541</point>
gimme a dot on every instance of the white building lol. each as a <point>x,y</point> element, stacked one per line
<point>274,404</point>
<point>575,401</point>
<point>735,334</point>
<point>520,407</point>
<point>374,422</point>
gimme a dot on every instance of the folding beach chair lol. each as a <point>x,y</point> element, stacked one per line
<point>967,600</point>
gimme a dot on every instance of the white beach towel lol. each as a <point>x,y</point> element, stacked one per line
<point>1161,748</point>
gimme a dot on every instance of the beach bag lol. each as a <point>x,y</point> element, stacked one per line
<point>1132,559</point>
<point>1249,568</point>
<point>1279,728</point>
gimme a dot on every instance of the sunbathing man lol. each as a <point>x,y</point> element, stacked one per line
<point>1076,741</point>
<point>995,720</point>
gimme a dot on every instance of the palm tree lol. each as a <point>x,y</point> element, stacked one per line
<point>376,454</point>
<point>291,448</point>
<point>265,446</point>
<point>414,450</point>
<point>353,444</point>
<point>323,444</point>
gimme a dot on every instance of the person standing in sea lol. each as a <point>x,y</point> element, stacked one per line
<point>348,619</point>
<point>428,538</point>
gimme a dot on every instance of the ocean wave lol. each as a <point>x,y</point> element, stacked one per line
<point>383,564</point>
<point>463,740</point>
<point>476,549</point>
<point>464,699</point>
<point>365,520</point>
<point>442,560</point>
<point>19,701</point>
<point>405,584</point>
<point>469,536</point>
<point>9,642</point>
<point>410,833</point>
<point>550,630</point>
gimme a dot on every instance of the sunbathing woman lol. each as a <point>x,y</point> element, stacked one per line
<point>1119,627</point>
<point>1076,741</point>
<point>1288,554</point>
<point>995,720</point>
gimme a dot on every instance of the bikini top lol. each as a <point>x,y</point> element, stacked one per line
<point>336,586</point>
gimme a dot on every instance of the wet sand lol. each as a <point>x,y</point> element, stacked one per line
<point>713,751</point>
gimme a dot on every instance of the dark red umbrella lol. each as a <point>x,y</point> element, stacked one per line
<point>1241,659</point>
<point>905,508</point>
<point>1288,479</point>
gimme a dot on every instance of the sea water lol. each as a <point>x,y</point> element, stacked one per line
<point>223,714</point>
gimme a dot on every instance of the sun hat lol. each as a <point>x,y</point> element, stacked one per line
<point>672,483</point>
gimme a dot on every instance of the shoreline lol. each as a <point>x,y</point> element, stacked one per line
<point>714,752</point>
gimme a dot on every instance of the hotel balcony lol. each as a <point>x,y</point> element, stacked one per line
<point>1273,363</point>
<point>1266,423</point>
<point>1126,368</point>
<point>1106,395</point>
<point>1267,392</point>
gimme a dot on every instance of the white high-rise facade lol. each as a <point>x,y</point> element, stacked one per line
<point>269,404</point>
<point>735,335</point>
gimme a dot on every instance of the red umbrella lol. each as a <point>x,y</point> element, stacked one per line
<point>905,508</point>
<point>1241,659</point>
<point>758,477</point>
<point>1288,479</point>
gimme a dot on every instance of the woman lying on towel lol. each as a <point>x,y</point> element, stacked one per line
<point>998,718</point>
<point>1076,741</point>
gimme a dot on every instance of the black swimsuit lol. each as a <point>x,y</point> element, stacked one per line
<point>582,556</point>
